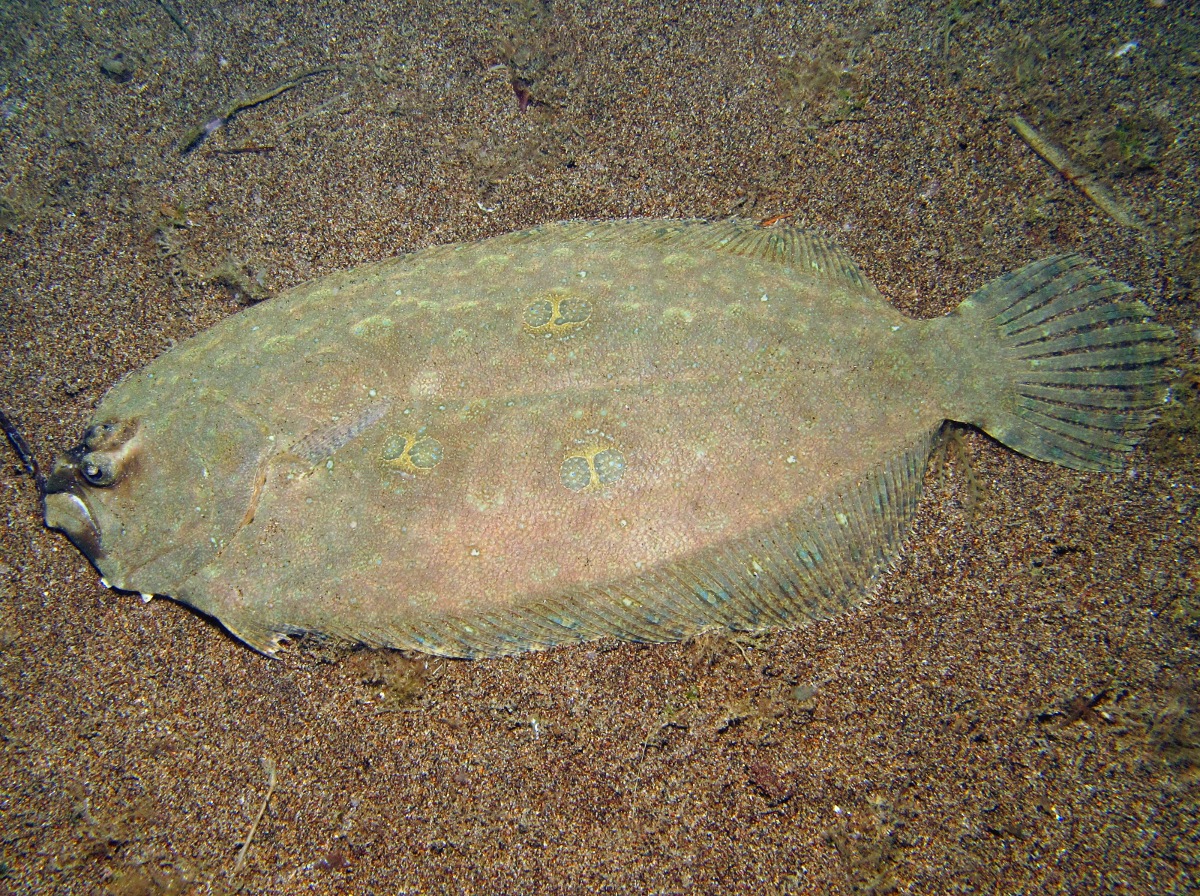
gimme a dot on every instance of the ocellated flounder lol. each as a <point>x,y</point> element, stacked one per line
<point>637,429</point>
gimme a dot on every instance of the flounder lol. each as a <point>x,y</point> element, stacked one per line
<point>633,429</point>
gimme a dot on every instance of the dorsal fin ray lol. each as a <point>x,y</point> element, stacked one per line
<point>809,253</point>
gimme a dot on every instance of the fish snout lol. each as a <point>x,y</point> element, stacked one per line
<point>107,455</point>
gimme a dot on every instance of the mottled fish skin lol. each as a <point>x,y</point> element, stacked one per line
<point>636,429</point>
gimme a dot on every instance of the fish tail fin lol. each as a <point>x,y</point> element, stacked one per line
<point>1069,369</point>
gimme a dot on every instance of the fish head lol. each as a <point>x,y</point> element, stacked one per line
<point>150,500</point>
<point>87,479</point>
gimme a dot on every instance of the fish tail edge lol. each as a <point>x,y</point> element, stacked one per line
<point>1072,370</point>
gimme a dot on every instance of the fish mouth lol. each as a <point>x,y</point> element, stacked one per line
<point>63,494</point>
<point>66,507</point>
<point>108,453</point>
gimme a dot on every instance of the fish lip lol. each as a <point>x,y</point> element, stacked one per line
<point>65,505</point>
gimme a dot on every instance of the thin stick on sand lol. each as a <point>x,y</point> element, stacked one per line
<point>269,765</point>
<point>1076,174</point>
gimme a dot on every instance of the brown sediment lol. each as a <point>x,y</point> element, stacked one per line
<point>950,737</point>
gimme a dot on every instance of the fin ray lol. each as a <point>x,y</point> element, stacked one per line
<point>1083,367</point>
<point>808,252</point>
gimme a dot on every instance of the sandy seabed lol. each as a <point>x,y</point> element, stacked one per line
<point>1013,712</point>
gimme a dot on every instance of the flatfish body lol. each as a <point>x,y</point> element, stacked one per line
<point>637,429</point>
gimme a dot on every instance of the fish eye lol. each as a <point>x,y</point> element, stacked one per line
<point>98,470</point>
<point>108,434</point>
<point>99,432</point>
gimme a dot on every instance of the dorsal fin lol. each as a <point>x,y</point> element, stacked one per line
<point>809,253</point>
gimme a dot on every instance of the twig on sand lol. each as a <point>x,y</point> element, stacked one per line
<point>222,117</point>
<point>1076,174</point>
<point>269,765</point>
<point>176,19</point>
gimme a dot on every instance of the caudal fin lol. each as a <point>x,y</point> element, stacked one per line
<point>1083,368</point>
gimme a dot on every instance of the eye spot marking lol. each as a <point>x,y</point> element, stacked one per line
<point>558,314</point>
<point>591,468</point>
<point>425,454</point>
<point>411,453</point>
<point>609,466</point>
<point>576,473</point>
<point>539,314</point>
